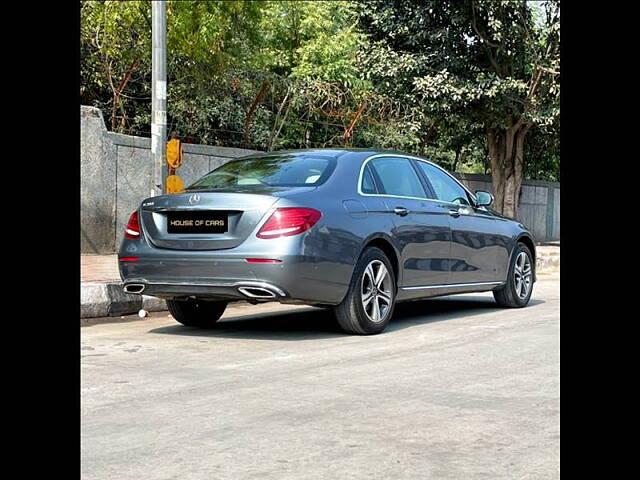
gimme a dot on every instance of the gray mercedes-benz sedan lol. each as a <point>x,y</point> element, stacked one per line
<point>352,229</point>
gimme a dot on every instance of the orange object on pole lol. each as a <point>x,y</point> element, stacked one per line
<point>174,153</point>
<point>174,184</point>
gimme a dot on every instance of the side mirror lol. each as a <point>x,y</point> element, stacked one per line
<point>484,199</point>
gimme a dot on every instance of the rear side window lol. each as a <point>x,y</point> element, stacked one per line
<point>368,185</point>
<point>272,171</point>
<point>397,177</point>
<point>445,187</point>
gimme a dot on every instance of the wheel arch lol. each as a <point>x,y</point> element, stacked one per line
<point>384,243</point>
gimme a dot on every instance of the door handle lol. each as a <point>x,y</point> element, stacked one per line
<point>401,211</point>
<point>454,213</point>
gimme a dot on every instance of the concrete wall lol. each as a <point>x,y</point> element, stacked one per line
<point>539,206</point>
<point>116,175</point>
<point>97,184</point>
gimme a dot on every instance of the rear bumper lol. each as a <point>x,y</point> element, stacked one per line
<point>253,291</point>
<point>311,270</point>
<point>300,279</point>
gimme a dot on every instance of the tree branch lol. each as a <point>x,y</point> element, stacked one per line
<point>485,41</point>
<point>252,109</point>
<point>348,131</point>
<point>127,76</point>
<point>475,27</point>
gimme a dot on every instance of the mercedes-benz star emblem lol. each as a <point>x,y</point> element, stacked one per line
<point>195,198</point>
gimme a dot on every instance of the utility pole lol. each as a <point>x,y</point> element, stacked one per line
<point>159,95</point>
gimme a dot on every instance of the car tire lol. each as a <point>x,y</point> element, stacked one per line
<point>520,276</point>
<point>357,312</point>
<point>196,313</point>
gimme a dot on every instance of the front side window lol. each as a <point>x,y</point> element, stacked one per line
<point>283,170</point>
<point>446,188</point>
<point>397,177</point>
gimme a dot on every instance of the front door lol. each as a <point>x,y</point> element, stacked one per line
<point>474,245</point>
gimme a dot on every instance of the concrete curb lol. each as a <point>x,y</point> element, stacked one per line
<point>548,261</point>
<point>94,300</point>
<point>548,264</point>
<point>109,300</point>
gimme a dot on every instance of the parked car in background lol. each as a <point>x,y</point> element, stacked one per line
<point>351,229</point>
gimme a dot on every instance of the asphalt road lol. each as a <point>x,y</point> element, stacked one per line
<point>456,388</point>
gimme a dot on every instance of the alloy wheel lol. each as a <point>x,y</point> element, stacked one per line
<point>376,291</point>
<point>522,275</point>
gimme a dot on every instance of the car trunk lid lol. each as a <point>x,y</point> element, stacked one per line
<point>243,211</point>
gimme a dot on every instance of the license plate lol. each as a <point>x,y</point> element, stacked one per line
<point>197,222</point>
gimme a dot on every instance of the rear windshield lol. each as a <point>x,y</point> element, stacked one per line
<point>271,171</point>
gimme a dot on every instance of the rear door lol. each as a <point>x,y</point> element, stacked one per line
<point>474,241</point>
<point>421,229</point>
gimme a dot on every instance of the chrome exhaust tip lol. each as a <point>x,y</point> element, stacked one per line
<point>134,288</point>
<point>257,292</point>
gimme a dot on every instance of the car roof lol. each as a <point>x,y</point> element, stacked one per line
<point>331,152</point>
<point>355,154</point>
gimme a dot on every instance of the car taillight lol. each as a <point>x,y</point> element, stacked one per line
<point>288,221</point>
<point>132,230</point>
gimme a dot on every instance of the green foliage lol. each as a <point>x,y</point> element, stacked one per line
<point>542,153</point>
<point>114,41</point>
<point>205,38</point>
<point>412,75</point>
<point>467,67</point>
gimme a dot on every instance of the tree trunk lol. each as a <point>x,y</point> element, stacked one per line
<point>506,154</point>
<point>428,136</point>
<point>455,162</point>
